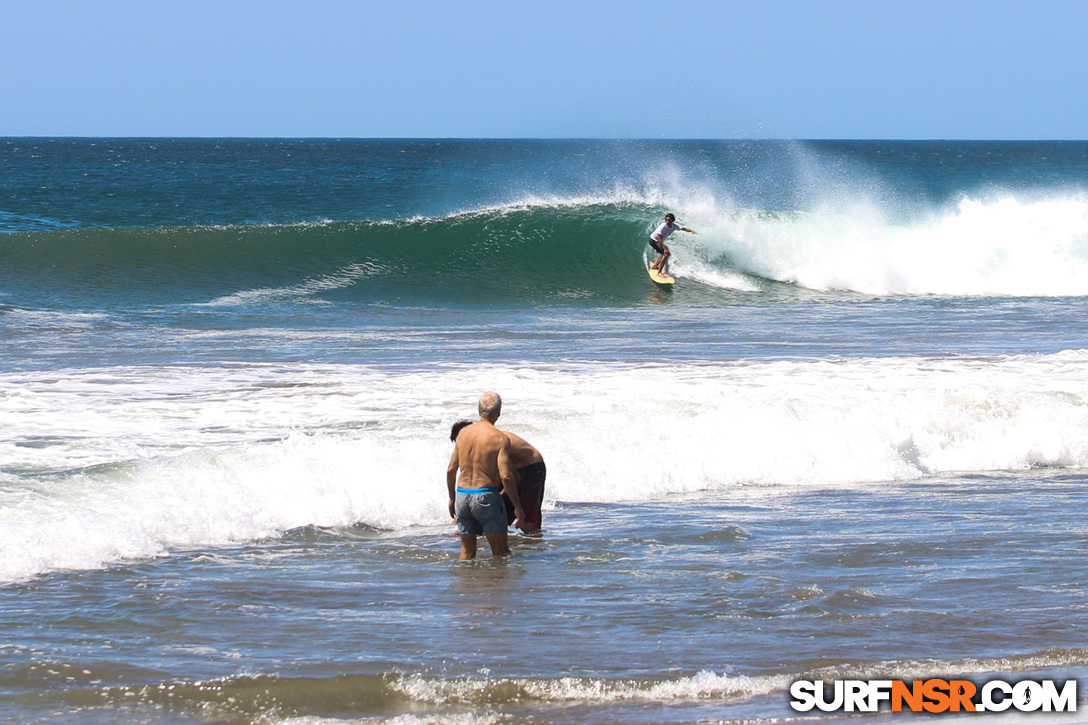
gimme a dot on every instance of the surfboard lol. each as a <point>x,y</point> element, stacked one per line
<point>659,277</point>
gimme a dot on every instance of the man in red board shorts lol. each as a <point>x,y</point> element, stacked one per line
<point>531,471</point>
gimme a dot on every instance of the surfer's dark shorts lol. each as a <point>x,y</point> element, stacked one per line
<point>479,511</point>
<point>658,247</point>
<point>531,493</point>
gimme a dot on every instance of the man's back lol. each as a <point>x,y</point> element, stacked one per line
<point>522,453</point>
<point>482,455</point>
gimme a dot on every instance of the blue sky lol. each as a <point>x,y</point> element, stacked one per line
<point>950,69</point>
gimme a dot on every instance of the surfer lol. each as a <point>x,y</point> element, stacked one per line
<point>531,474</point>
<point>481,455</point>
<point>657,240</point>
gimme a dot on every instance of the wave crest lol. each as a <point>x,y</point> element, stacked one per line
<point>563,251</point>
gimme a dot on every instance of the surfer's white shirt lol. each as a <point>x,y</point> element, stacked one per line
<point>662,232</point>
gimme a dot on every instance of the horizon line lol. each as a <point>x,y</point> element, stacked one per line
<point>933,139</point>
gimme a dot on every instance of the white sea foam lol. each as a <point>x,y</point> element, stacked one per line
<point>1002,246</point>
<point>691,268</point>
<point>580,689</point>
<point>55,319</point>
<point>694,269</point>
<point>304,291</point>
<point>105,465</point>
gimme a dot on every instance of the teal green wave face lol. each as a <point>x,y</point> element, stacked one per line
<point>513,256</point>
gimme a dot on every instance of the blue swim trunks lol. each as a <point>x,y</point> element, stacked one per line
<point>479,511</point>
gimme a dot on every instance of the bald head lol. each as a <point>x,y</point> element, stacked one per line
<point>490,406</point>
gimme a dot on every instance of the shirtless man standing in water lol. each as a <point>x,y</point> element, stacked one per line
<point>482,456</point>
<point>531,474</point>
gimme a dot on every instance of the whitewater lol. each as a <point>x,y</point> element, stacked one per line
<point>124,441</point>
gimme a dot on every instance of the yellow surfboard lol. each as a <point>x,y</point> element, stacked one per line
<point>660,278</point>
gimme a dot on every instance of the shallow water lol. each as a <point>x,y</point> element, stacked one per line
<point>681,609</point>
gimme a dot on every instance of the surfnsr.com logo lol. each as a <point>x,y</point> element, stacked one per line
<point>934,695</point>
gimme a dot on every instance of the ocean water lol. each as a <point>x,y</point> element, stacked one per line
<point>851,441</point>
